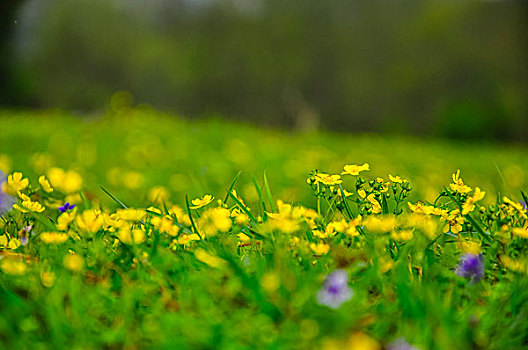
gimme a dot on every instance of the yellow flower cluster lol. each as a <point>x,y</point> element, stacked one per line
<point>28,205</point>
<point>67,182</point>
<point>289,218</point>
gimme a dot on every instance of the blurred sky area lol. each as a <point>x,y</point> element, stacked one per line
<point>455,69</point>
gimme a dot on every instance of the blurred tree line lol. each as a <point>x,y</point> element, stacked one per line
<point>444,68</point>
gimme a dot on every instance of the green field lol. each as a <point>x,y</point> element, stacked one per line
<point>247,269</point>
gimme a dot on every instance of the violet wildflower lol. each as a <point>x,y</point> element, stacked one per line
<point>24,240</point>
<point>400,344</point>
<point>335,290</point>
<point>471,266</point>
<point>67,206</point>
<point>523,203</point>
<point>6,201</point>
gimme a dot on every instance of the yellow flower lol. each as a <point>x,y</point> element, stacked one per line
<point>361,341</point>
<point>13,267</point>
<point>65,181</point>
<point>352,230</point>
<point>131,214</point>
<point>131,236</point>
<point>159,194</point>
<point>185,239</point>
<point>73,262</point>
<point>154,210</point>
<point>320,248</point>
<point>242,237</point>
<point>376,206</point>
<point>469,205</point>
<point>420,208</point>
<point>396,179</point>
<point>44,183</point>
<point>90,220</point>
<point>14,243</point>
<point>327,179</point>
<point>347,194</point>
<point>516,206</point>
<point>336,227</point>
<point>425,223</point>
<point>53,237</point>
<point>521,232</point>
<point>209,259</point>
<point>165,225</point>
<point>201,202</point>
<point>458,184</point>
<point>241,219</point>
<point>28,205</point>
<point>514,265</point>
<point>47,278</point>
<point>15,183</point>
<point>382,224</point>
<point>4,241</point>
<point>355,169</point>
<point>454,221</point>
<point>7,243</point>
<point>65,219</point>
<point>214,220</point>
<point>288,218</point>
<point>403,235</point>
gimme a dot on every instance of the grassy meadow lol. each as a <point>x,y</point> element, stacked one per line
<point>134,229</point>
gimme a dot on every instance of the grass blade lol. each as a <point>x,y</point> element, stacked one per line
<point>347,208</point>
<point>232,186</point>
<point>190,216</point>
<point>268,193</point>
<point>243,207</point>
<point>262,203</point>
<point>114,198</point>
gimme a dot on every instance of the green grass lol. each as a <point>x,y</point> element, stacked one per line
<point>203,157</point>
<point>254,284</point>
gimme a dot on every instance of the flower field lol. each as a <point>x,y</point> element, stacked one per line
<point>163,233</point>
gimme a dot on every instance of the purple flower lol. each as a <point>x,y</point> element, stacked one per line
<point>400,344</point>
<point>335,290</point>
<point>523,203</point>
<point>6,201</point>
<point>471,266</point>
<point>24,240</point>
<point>67,206</point>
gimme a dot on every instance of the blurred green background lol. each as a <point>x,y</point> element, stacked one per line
<point>455,69</point>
